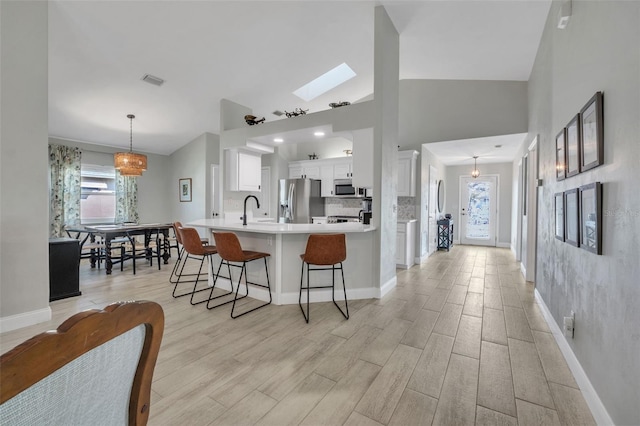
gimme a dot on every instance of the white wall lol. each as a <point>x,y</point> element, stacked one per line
<point>599,50</point>
<point>24,193</point>
<point>190,162</point>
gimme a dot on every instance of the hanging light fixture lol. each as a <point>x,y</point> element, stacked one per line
<point>475,173</point>
<point>130,163</point>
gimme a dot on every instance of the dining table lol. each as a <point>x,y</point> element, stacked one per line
<point>108,233</point>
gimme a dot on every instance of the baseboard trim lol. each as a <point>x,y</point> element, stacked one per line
<point>24,319</point>
<point>513,250</point>
<point>503,245</point>
<point>598,410</point>
<point>523,269</point>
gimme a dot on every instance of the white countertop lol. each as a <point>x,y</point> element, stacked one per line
<point>282,228</point>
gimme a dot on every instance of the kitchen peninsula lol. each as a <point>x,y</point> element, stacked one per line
<point>285,243</point>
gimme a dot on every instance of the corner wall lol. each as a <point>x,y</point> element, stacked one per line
<point>24,180</point>
<point>598,51</point>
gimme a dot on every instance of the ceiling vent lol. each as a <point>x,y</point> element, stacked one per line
<point>157,81</point>
<point>277,112</point>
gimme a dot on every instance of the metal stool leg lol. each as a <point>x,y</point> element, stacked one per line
<point>215,279</point>
<point>268,286</point>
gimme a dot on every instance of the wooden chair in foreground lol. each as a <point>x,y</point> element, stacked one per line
<point>96,368</point>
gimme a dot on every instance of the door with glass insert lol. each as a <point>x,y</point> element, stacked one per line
<point>478,210</point>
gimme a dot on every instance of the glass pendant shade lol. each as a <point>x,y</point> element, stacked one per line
<point>130,163</point>
<point>475,173</point>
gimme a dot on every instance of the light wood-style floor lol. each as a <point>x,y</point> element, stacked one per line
<point>460,341</point>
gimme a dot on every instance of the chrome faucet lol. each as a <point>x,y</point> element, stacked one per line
<point>244,215</point>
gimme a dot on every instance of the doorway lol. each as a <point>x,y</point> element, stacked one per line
<point>433,210</point>
<point>215,193</point>
<point>478,210</point>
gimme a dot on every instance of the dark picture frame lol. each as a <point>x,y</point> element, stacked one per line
<point>184,190</point>
<point>591,217</point>
<point>571,217</point>
<point>592,133</point>
<point>559,215</point>
<point>561,157</point>
<point>572,151</point>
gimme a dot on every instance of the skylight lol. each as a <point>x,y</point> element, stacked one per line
<point>325,82</point>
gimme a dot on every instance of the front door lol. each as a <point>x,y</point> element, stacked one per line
<point>478,210</point>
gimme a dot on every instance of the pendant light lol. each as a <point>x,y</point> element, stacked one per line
<point>475,173</point>
<point>130,163</point>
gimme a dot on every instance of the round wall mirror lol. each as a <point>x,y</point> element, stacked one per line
<point>440,196</point>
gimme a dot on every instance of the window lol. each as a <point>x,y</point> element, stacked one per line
<point>98,197</point>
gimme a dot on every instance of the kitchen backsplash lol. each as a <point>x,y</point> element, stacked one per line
<point>406,208</point>
<point>342,206</point>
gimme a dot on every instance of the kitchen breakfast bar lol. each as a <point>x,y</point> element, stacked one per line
<point>285,243</point>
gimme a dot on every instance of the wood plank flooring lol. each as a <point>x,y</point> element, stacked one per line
<point>459,341</point>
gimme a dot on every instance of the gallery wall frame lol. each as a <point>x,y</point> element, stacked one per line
<point>184,185</point>
<point>573,146</point>
<point>591,217</point>
<point>592,133</point>
<point>561,157</point>
<point>559,215</point>
<point>571,217</point>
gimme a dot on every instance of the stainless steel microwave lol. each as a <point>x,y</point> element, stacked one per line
<point>344,188</point>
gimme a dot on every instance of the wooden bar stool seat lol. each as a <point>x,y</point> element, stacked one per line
<point>181,254</point>
<point>326,251</point>
<point>230,250</point>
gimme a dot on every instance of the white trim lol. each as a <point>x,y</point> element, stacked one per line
<point>523,270</point>
<point>386,287</point>
<point>598,410</point>
<point>24,319</point>
<point>418,260</point>
<point>503,245</point>
<point>513,250</point>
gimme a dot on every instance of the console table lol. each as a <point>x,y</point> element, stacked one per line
<point>445,234</point>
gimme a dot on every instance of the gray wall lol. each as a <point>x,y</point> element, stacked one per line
<point>153,186</point>
<point>597,51</point>
<point>24,229</point>
<point>452,191</point>
<point>189,162</point>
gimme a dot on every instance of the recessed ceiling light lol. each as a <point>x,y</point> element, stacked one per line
<point>325,82</point>
<point>278,140</point>
<point>318,134</point>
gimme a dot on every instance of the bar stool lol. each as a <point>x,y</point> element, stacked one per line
<point>193,247</point>
<point>181,257</point>
<point>324,250</point>
<point>230,250</point>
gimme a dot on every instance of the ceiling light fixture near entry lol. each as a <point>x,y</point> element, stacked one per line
<point>475,173</point>
<point>318,134</point>
<point>278,140</point>
<point>130,163</point>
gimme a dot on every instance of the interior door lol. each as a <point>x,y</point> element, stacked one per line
<point>478,210</point>
<point>215,197</point>
<point>433,210</point>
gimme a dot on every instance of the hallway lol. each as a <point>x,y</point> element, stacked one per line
<point>461,340</point>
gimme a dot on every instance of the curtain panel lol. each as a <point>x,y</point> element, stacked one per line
<point>126,198</point>
<point>64,196</point>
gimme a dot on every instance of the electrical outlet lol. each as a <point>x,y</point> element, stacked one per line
<point>569,325</point>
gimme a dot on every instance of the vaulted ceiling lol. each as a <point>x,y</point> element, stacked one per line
<point>256,53</point>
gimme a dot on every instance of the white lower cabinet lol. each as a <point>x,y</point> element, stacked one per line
<point>405,244</point>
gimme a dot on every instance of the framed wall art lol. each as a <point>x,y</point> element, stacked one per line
<point>591,217</point>
<point>559,214</point>
<point>571,216</point>
<point>561,158</point>
<point>185,189</point>
<point>573,146</point>
<point>592,133</point>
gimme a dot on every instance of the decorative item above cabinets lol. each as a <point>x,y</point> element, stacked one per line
<point>243,170</point>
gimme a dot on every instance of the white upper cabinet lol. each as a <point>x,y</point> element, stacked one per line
<point>362,169</point>
<point>326,177</point>
<point>342,168</point>
<point>407,173</point>
<point>243,170</point>
<point>304,170</point>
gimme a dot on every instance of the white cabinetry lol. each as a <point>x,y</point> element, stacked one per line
<point>326,178</point>
<point>304,170</point>
<point>405,244</point>
<point>342,169</point>
<point>407,173</point>
<point>243,170</point>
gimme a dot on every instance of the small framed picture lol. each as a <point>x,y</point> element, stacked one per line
<point>561,158</point>
<point>185,189</point>
<point>592,133</point>
<point>573,147</point>
<point>571,224</point>
<point>559,214</point>
<point>591,217</point>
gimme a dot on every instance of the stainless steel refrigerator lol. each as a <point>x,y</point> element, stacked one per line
<point>300,200</point>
